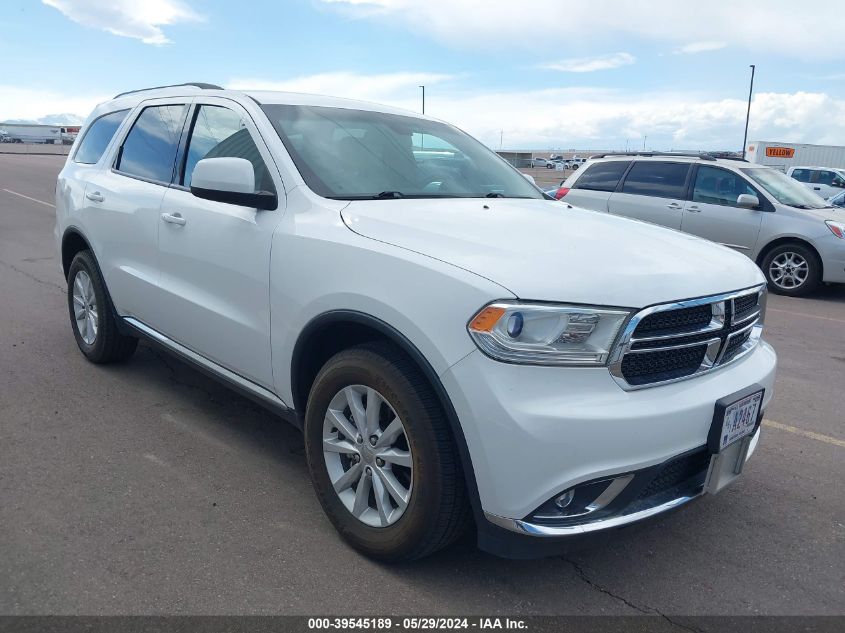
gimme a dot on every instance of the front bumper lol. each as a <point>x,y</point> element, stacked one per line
<point>832,251</point>
<point>534,432</point>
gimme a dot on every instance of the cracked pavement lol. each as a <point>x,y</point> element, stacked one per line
<point>147,488</point>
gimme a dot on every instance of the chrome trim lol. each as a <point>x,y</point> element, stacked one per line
<point>736,246</point>
<point>534,529</point>
<point>218,370</point>
<point>616,486</point>
<point>715,346</point>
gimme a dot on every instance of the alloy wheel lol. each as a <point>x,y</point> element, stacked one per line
<point>85,307</point>
<point>789,270</point>
<point>367,455</point>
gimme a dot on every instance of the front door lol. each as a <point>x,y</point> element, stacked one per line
<point>215,260</point>
<point>713,213</point>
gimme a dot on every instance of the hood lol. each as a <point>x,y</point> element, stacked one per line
<point>548,251</point>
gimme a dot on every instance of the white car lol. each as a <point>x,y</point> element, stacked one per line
<point>824,181</point>
<point>456,350</point>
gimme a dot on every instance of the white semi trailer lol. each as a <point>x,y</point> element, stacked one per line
<point>782,156</point>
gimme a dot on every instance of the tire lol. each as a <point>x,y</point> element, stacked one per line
<point>437,510</point>
<point>802,260</point>
<point>102,343</point>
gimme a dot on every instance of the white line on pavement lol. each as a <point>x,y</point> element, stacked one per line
<point>804,314</point>
<point>811,434</point>
<point>15,193</point>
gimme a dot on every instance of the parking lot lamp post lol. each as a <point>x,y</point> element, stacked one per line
<point>748,112</point>
<point>423,98</point>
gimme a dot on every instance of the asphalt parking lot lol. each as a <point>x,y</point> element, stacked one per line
<point>146,488</point>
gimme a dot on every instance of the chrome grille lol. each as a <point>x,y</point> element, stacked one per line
<point>675,341</point>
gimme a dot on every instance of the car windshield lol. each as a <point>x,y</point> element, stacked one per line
<point>362,155</point>
<point>784,189</point>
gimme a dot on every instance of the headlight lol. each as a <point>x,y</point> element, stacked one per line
<point>546,334</point>
<point>837,228</point>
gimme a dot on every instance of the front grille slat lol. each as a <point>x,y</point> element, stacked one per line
<point>670,343</point>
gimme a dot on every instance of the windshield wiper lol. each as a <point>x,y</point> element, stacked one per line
<point>388,194</point>
<point>495,194</point>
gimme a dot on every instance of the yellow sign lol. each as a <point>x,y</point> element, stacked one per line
<point>780,152</point>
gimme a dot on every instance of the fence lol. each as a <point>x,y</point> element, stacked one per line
<point>34,148</point>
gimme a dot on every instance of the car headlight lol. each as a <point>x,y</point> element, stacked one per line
<point>546,334</point>
<point>837,228</point>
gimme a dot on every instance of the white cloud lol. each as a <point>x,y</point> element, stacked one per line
<point>138,19</point>
<point>36,104</point>
<point>590,64</point>
<point>699,47</point>
<point>380,87</point>
<point>783,27</point>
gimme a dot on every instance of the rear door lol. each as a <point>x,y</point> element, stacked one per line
<point>122,205</point>
<point>713,213</point>
<point>653,191</point>
<point>215,263</point>
<point>594,184</point>
<point>826,182</point>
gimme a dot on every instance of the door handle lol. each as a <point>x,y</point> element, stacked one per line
<point>817,188</point>
<point>673,205</point>
<point>174,218</point>
<point>95,196</point>
<point>694,209</point>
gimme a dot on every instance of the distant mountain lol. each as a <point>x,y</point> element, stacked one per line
<point>51,119</point>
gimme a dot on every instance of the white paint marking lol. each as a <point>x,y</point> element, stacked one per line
<point>804,314</point>
<point>811,434</point>
<point>15,193</point>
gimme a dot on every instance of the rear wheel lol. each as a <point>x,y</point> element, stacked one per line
<point>92,316</point>
<point>381,455</point>
<point>792,269</point>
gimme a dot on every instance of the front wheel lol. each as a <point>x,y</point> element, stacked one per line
<point>792,270</point>
<point>381,455</point>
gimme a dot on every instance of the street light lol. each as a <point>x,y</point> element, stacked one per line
<point>748,112</point>
<point>423,95</point>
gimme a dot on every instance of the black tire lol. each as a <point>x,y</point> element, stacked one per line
<point>108,345</point>
<point>814,272</point>
<point>438,510</point>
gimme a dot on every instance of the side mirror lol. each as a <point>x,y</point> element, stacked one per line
<point>747,201</point>
<point>530,179</point>
<point>230,180</point>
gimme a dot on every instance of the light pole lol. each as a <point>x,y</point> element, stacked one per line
<point>748,112</point>
<point>423,95</point>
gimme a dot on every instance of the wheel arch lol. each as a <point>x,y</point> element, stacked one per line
<point>790,239</point>
<point>333,331</point>
<point>73,241</point>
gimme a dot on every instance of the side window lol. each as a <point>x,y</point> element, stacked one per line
<point>149,150</point>
<point>801,175</point>
<point>219,132</point>
<point>602,176</point>
<point>826,177</point>
<point>720,186</point>
<point>98,136</point>
<point>652,178</point>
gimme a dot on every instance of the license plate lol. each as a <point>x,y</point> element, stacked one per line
<point>734,421</point>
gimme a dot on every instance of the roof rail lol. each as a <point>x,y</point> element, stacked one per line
<point>701,155</point>
<point>195,84</point>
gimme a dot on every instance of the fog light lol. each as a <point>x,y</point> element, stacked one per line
<point>563,500</point>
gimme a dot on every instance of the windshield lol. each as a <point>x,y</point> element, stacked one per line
<point>357,154</point>
<point>784,189</point>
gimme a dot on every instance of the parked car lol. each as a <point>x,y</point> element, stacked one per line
<point>795,236</point>
<point>824,181</point>
<point>838,200</point>
<point>539,162</point>
<point>455,349</point>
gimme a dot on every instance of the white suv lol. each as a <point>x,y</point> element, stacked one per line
<point>454,348</point>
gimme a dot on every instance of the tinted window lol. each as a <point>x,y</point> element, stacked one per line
<point>149,150</point>
<point>217,133</point>
<point>801,175</point>
<point>826,177</point>
<point>98,136</point>
<point>602,176</point>
<point>720,186</point>
<point>649,178</point>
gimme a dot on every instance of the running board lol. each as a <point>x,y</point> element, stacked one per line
<point>255,392</point>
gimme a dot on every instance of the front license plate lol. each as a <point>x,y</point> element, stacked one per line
<point>734,421</point>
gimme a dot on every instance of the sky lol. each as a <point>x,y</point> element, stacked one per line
<point>526,74</point>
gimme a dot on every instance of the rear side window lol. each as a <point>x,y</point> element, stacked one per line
<point>602,176</point>
<point>219,132</point>
<point>652,178</point>
<point>98,136</point>
<point>149,150</point>
<point>802,175</point>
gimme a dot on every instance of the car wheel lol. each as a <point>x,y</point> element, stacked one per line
<point>792,269</point>
<point>92,316</point>
<point>381,455</point>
